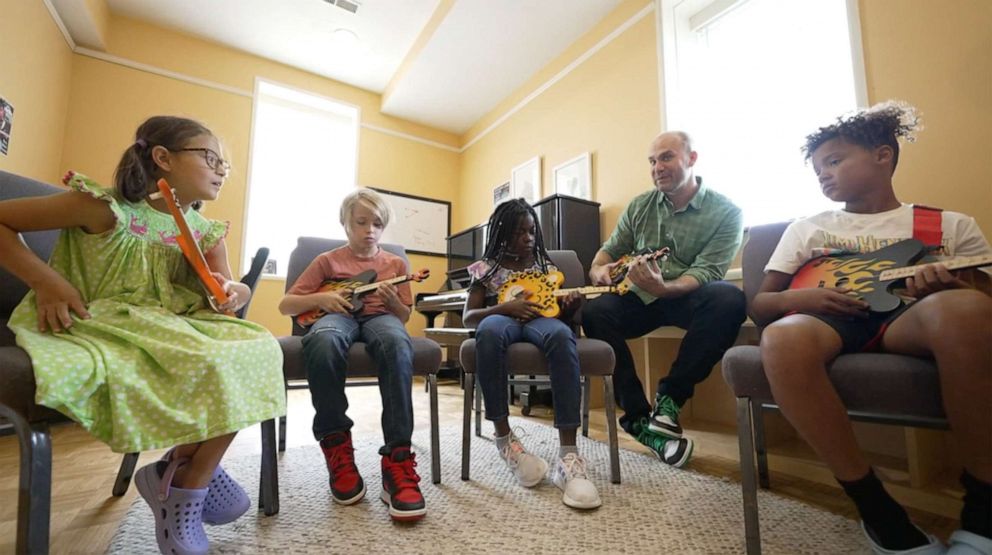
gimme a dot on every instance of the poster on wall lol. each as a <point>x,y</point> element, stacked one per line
<point>6,122</point>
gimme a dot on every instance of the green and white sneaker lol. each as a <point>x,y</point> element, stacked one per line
<point>665,417</point>
<point>675,452</point>
<point>578,492</point>
<point>529,469</point>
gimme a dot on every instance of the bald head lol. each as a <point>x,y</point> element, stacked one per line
<point>669,136</point>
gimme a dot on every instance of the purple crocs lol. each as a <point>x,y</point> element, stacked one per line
<point>226,499</point>
<point>178,512</point>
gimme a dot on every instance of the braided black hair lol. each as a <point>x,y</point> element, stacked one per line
<point>882,124</point>
<point>502,225</point>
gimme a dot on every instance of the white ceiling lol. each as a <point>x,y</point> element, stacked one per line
<point>480,53</point>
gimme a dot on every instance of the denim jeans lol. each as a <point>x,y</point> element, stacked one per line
<point>554,338</point>
<point>711,315</point>
<point>325,350</point>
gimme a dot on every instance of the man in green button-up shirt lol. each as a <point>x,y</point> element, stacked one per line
<point>703,229</point>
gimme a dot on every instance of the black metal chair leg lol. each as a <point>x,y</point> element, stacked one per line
<point>611,425</point>
<point>34,498</point>
<point>123,480</point>
<point>282,434</point>
<point>435,432</point>
<point>752,534</point>
<point>758,421</point>
<point>469,390</point>
<point>585,405</point>
<point>268,497</point>
<point>478,405</point>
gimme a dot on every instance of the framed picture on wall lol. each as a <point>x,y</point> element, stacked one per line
<point>501,193</point>
<point>525,180</point>
<point>574,177</point>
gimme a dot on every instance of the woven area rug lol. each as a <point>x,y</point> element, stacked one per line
<point>656,509</point>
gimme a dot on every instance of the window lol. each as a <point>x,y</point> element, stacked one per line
<point>748,80</point>
<point>304,159</point>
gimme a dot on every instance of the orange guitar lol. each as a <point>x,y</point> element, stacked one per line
<point>543,289</point>
<point>872,275</point>
<point>352,289</point>
<point>619,272</point>
<point>216,295</point>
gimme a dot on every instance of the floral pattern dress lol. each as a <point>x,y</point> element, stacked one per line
<point>154,366</point>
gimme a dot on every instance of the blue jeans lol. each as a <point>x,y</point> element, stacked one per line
<point>325,350</point>
<point>711,315</point>
<point>554,338</point>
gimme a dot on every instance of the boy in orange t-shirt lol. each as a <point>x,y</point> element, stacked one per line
<point>379,323</point>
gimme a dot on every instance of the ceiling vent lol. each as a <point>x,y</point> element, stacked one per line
<point>347,5</point>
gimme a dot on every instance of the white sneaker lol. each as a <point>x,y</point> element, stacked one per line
<point>569,475</point>
<point>528,469</point>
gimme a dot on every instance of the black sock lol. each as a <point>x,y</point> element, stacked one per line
<point>885,519</point>
<point>976,515</point>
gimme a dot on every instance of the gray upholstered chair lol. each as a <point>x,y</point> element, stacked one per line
<point>426,353</point>
<point>30,421</point>
<point>875,387</point>
<point>596,358</point>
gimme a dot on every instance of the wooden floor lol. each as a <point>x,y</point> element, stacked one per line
<point>85,515</point>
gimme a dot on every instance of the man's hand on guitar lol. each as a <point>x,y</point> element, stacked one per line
<point>521,309</point>
<point>646,274</point>
<point>836,301</point>
<point>931,278</point>
<point>332,302</point>
<point>600,275</point>
<point>55,299</point>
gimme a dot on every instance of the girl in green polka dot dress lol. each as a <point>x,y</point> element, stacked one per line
<point>120,333</point>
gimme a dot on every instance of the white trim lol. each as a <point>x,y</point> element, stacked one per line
<point>402,135</point>
<point>159,71</point>
<point>857,54</point>
<point>60,24</point>
<point>664,33</point>
<point>561,74</point>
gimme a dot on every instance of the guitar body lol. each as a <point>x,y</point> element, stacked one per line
<point>860,273</point>
<point>535,286</point>
<point>344,287</point>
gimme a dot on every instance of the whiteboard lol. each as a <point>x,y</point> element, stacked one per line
<point>421,225</point>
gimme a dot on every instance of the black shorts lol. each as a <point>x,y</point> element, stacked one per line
<point>861,335</point>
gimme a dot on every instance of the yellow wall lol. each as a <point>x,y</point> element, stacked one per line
<point>34,77</point>
<point>936,56</point>
<point>109,100</point>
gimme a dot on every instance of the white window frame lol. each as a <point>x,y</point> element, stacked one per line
<point>668,27</point>
<point>259,83</point>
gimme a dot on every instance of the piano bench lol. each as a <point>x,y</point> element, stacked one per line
<point>449,337</point>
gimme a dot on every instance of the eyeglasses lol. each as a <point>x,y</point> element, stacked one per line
<point>214,161</point>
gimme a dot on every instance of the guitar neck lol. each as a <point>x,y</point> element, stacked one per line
<point>590,290</point>
<point>372,286</point>
<point>957,263</point>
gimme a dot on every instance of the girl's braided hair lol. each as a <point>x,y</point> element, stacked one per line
<point>502,225</point>
<point>882,124</point>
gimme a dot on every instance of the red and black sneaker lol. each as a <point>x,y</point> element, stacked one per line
<point>347,485</point>
<point>399,485</point>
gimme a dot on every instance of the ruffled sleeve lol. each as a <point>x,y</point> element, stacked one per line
<point>79,182</point>
<point>216,232</point>
<point>478,269</point>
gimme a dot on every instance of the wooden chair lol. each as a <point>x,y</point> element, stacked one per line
<point>596,358</point>
<point>875,387</point>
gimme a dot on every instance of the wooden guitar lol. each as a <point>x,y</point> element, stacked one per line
<point>352,289</point>
<point>216,295</point>
<point>619,272</point>
<point>544,289</point>
<point>872,275</point>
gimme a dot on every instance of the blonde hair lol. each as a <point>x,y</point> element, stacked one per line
<point>371,199</point>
